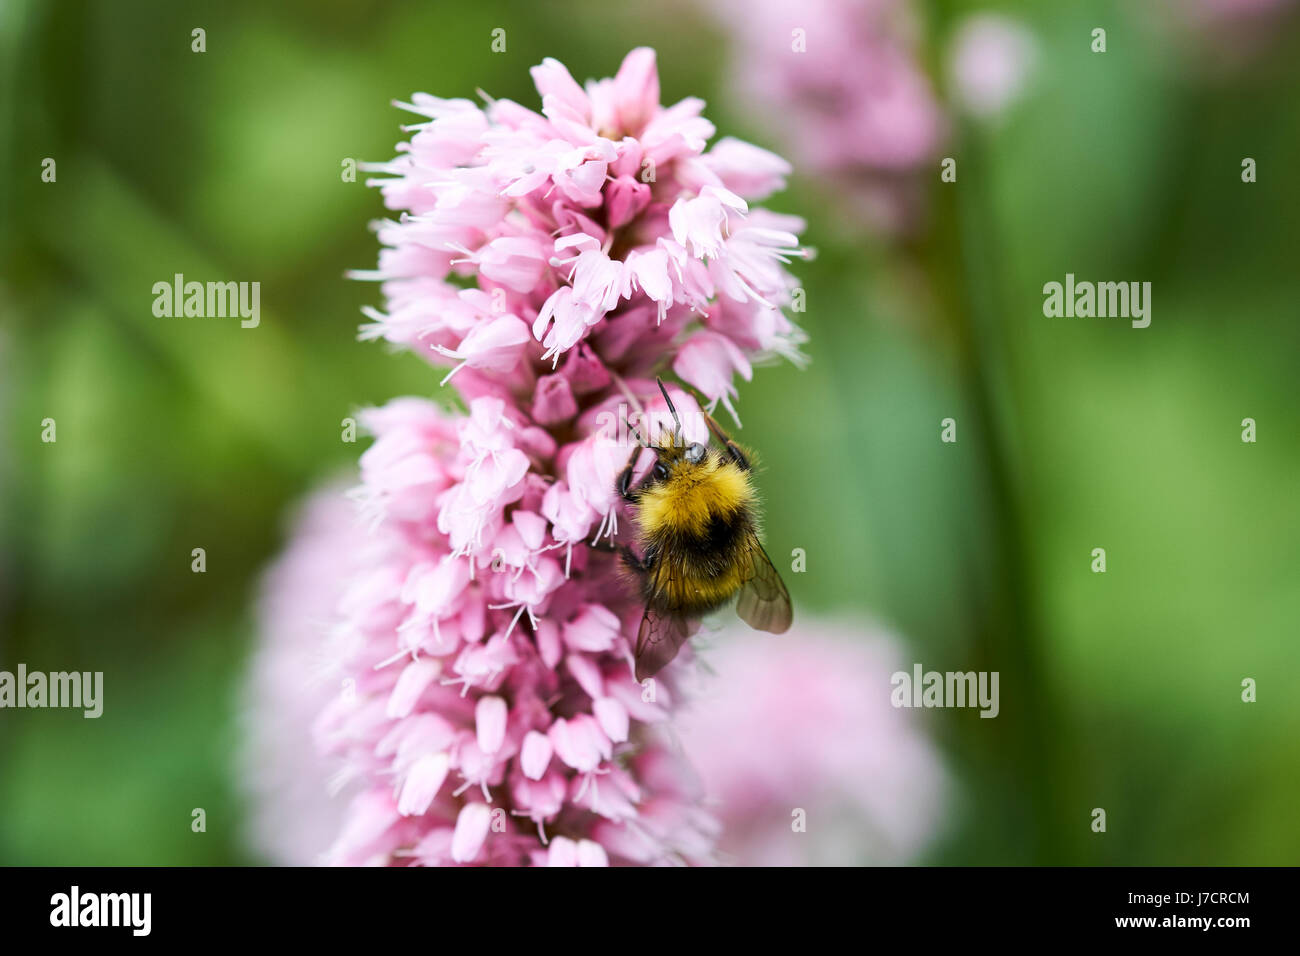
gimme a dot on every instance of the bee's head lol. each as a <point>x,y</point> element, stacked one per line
<point>673,455</point>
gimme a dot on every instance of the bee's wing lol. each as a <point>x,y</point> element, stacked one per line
<point>660,637</point>
<point>764,603</point>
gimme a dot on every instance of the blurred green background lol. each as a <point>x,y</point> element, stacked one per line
<point>1119,690</point>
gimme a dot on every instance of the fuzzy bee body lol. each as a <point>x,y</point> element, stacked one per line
<point>697,519</point>
<point>694,534</point>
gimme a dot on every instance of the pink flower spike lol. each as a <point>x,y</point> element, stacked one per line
<point>475,619</point>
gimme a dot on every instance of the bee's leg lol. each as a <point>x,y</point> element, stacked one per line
<point>733,450</point>
<point>623,486</point>
<point>638,565</point>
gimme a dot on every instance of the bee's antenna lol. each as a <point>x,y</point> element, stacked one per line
<point>676,421</point>
<point>634,402</point>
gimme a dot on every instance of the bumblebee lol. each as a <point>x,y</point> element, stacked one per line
<point>697,517</point>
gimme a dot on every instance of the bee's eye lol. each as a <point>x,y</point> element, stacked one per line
<point>695,453</point>
<point>661,471</point>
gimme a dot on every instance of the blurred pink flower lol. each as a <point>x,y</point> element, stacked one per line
<point>990,59</point>
<point>820,736</point>
<point>838,83</point>
<point>293,815</point>
<point>553,263</point>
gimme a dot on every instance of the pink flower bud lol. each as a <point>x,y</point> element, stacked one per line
<point>553,402</point>
<point>471,830</point>
<point>626,199</point>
